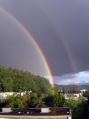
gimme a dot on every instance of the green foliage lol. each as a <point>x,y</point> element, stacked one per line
<point>55,99</point>
<point>17,81</point>
<point>14,102</point>
<point>18,103</point>
<point>25,99</point>
<point>65,91</point>
<point>86,94</point>
<point>36,101</point>
<point>79,108</point>
<point>51,92</point>
<point>49,101</point>
<point>58,100</point>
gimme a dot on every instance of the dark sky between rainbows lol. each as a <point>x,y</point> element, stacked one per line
<point>61,29</point>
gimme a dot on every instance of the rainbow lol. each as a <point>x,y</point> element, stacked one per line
<point>21,26</point>
<point>67,51</point>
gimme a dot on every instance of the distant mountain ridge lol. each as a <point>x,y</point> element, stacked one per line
<point>72,87</point>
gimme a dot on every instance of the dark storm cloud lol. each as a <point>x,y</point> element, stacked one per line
<point>52,21</point>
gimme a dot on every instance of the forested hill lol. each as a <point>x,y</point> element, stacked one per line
<point>17,80</point>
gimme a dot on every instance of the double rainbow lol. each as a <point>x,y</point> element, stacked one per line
<point>29,35</point>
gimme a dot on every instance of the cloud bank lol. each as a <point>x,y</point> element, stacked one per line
<point>72,79</point>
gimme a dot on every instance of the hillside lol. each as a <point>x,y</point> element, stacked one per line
<point>18,80</point>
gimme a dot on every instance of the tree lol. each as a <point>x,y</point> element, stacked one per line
<point>58,100</point>
<point>17,80</point>
<point>7,84</point>
<point>14,102</point>
<point>33,99</point>
<point>9,101</point>
<point>78,107</point>
<point>18,103</point>
<point>25,99</point>
<point>86,94</point>
<point>36,101</point>
<point>49,101</point>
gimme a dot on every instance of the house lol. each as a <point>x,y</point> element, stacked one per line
<point>78,95</point>
<point>68,96</point>
<point>3,95</point>
<point>74,95</point>
<point>83,90</point>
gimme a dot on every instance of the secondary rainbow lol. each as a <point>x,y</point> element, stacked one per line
<point>34,42</point>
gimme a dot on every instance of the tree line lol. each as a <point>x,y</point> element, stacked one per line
<point>15,80</point>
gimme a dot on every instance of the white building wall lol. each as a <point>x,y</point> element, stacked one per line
<point>3,95</point>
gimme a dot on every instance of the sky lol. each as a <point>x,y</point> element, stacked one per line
<point>61,29</point>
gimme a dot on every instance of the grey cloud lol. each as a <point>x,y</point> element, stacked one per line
<point>53,23</point>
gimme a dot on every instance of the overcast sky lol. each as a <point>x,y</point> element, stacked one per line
<point>61,29</point>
